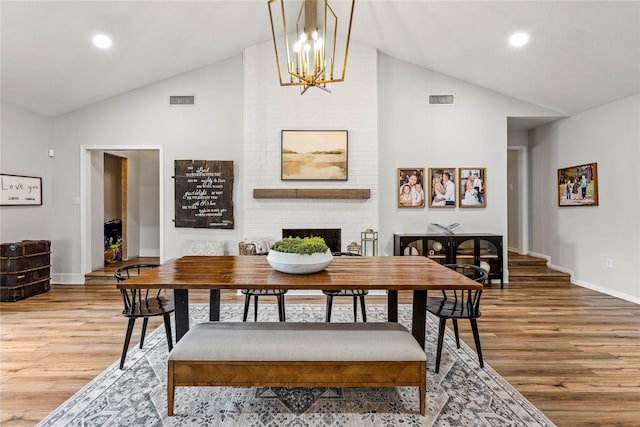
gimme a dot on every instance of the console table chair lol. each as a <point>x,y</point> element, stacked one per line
<point>354,293</point>
<point>455,305</point>
<point>139,304</point>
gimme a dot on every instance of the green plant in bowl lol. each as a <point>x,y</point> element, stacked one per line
<point>302,246</point>
<point>295,255</point>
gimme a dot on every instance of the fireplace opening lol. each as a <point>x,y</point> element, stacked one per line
<point>332,236</point>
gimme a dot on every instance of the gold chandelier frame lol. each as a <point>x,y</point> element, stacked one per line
<point>302,71</point>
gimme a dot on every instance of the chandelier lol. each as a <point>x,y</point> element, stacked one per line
<point>311,58</point>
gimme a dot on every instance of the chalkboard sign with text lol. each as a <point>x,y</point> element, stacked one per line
<point>204,193</point>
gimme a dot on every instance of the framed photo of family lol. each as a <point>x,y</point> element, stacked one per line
<point>411,188</point>
<point>578,185</point>
<point>473,187</point>
<point>442,188</point>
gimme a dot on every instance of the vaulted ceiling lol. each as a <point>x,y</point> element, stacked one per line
<point>581,54</point>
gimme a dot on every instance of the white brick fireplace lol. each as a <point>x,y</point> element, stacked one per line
<point>270,108</point>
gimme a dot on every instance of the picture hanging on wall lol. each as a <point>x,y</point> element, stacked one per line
<point>578,185</point>
<point>411,187</point>
<point>442,188</point>
<point>314,155</point>
<point>473,187</point>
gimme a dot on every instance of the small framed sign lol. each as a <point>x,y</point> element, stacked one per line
<point>17,190</point>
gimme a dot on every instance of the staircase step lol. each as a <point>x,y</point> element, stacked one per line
<point>532,274</point>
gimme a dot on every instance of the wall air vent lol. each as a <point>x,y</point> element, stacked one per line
<point>441,99</point>
<point>182,100</point>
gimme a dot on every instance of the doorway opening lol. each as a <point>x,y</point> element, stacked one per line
<point>120,184</point>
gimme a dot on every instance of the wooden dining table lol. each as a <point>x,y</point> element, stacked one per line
<point>390,273</point>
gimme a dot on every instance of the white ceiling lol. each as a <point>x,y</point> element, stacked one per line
<point>582,54</point>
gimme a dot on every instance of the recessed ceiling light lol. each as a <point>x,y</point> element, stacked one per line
<point>102,41</point>
<point>519,39</point>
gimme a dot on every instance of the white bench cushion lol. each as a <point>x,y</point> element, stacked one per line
<point>279,341</point>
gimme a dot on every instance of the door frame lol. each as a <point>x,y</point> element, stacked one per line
<point>85,196</point>
<point>523,205</point>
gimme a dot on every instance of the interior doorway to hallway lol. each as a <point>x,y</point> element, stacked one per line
<point>123,182</point>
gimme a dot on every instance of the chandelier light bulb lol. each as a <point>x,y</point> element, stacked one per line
<point>303,37</point>
<point>318,43</point>
<point>297,47</point>
<point>307,47</point>
<point>315,35</point>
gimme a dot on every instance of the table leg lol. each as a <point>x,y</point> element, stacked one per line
<point>214,305</point>
<point>418,323</point>
<point>181,299</point>
<point>392,306</point>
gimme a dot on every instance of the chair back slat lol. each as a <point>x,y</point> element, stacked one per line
<point>134,299</point>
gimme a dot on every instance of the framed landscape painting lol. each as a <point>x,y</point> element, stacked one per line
<point>314,155</point>
<point>578,185</point>
<point>411,188</point>
<point>442,187</point>
<point>473,187</point>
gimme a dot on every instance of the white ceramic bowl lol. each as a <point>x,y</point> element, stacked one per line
<point>299,264</point>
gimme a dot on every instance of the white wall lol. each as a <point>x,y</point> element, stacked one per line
<point>517,190</point>
<point>149,202</point>
<point>414,134</point>
<point>579,239</point>
<point>210,130</point>
<point>270,108</point>
<point>25,139</point>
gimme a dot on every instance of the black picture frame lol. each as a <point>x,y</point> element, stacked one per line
<point>20,190</point>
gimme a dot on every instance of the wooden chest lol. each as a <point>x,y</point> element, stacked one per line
<point>25,269</point>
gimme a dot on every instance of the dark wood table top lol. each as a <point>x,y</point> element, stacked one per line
<point>236,272</point>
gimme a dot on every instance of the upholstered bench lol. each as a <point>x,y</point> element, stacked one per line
<point>297,355</point>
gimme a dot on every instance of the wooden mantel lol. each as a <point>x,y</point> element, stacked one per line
<point>311,193</point>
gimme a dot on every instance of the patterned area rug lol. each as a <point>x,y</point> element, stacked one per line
<point>462,394</point>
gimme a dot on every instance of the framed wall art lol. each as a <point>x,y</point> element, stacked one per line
<point>411,188</point>
<point>578,185</point>
<point>473,187</point>
<point>442,188</point>
<point>314,155</point>
<point>18,190</point>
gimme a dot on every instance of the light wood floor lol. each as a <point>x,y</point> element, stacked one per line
<point>572,352</point>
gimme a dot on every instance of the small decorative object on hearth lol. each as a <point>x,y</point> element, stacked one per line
<point>295,255</point>
<point>369,241</point>
<point>353,248</point>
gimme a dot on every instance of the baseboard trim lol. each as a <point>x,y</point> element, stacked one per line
<point>67,279</point>
<point>610,292</point>
<point>537,255</point>
<point>586,285</point>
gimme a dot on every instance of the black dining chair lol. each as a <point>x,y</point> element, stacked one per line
<point>257,293</point>
<point>356,294</point>
<point>143,303</point>
<point>459,304</point>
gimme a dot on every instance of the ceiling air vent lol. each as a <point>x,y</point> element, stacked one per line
<point>182,100</point>
<point>441,99</point>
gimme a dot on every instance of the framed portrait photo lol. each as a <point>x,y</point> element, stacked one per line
<point>442,188</point>
<point>578,185</point>
<point>314,155</point>
<point>411,188</point>
<point>473,187</point>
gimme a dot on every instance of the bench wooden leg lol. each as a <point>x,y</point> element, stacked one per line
<point>171,389</point>
<point>423,390</point>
